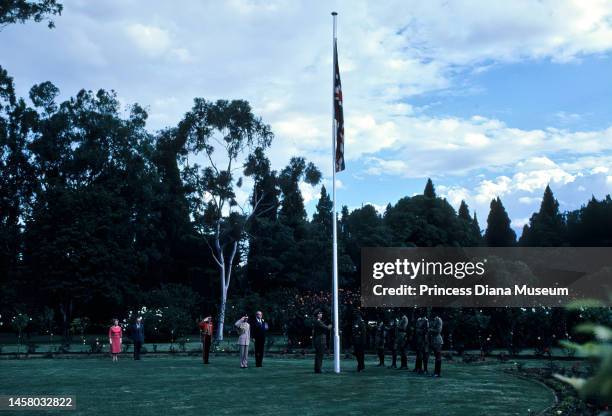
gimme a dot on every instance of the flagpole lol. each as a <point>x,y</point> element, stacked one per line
<point>334,220</point>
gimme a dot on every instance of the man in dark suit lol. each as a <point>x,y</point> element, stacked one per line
<point>259,328</point>
<point>137,333</point>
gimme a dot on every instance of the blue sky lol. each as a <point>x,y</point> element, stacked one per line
<point>487,98</point>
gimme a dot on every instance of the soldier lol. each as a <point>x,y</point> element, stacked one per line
<point>401,341</point>
<point>358,331</point>
<point>421,345</point>
<point>435,340</point>
<point>381,333</point>
<point>319,340</point>
<point>391,336</point>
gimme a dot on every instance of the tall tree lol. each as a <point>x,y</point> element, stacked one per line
<point>499,233</point>
<point>231,128</point>
<point>469,229</point>
<point>546,227</point>
<point>18,182</point>
<point>323,213</point>
<point>430,191</point>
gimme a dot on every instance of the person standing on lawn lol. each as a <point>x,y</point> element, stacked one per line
<point>260,328</point>
<point>421,340</point>
<point>115,335</point>
<point>206,333</point>
<point>379,340</point>
<point>402,340</point>
<point>137,334</point>
<point>244,338</point>
<point>435,340</point>
<point>319,340</point>
<point>358,332</point>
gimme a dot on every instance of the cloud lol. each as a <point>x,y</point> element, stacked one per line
<point>152,40</point>
<point>277,56</point>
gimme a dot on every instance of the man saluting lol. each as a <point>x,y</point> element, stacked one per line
<point>260,328</point>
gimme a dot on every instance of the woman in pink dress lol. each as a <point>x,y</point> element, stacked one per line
<point>114,339</point>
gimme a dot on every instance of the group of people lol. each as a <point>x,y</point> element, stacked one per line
<point>259,330</point>
<point>394,334</point>
<point>115,338</point>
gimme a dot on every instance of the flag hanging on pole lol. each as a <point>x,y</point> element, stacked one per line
<point>337,155</point>
<point>338,113</point>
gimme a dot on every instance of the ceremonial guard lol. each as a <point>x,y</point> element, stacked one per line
<point>319,340</point>
<point>422,345</point>
<point>435,341</point>
<point>391,337</point>
<point>358,332</point>
<point>401,341</point>
<point>381,334</point>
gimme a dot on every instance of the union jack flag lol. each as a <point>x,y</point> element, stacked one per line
<point>338,114</point>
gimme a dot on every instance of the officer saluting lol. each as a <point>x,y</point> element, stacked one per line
<point>319,340</point>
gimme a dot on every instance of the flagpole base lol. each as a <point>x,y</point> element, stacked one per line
<point>337,354</point>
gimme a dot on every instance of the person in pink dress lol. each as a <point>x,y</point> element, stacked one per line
<point>114,338</point>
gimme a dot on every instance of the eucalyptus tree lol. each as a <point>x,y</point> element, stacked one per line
<point>225,134</point>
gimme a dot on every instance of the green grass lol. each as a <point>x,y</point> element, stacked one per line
<point>184,386</point>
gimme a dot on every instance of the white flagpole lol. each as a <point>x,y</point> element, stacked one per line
<point>334,222</point>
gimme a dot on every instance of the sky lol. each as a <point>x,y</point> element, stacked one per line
<point>486,98</point>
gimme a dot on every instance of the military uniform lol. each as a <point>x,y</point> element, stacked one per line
<point>319,342</point>
<point>359,340</point>
<point>391,337</point>
<point>435,341</point>
<point>381,334</point>
<point>421,344</point>
<point>401,341</point>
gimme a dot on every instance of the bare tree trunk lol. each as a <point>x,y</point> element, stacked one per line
<point>225,273</point>
<point>223,303</point>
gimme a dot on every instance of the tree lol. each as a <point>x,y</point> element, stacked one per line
<point>85,237</point>
<point>469,229</point>
<point>20,11</point>
<point>231,128</point>
<point>547,227</point>
<point>499,233</point>
<point>323,214</point>
<point>430,191</point>
<point>591,225</point>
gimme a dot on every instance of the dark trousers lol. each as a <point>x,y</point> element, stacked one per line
<point>360,355</point>
<point>394,358</point>
<point>438,362</point>
<point>381,356</point>
<point>137,348</point>
<point>260,343</point>
<point>422,358</point>
<point>318,359</point>
<point>206,342</point>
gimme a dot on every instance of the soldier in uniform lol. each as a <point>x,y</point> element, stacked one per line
<point>435,341</point>
<point>319,340</point>
<point>421,344</point>
<point>381,333</point>
<point>401,340</point>
<point>391,336</point>
<point>358,331</point>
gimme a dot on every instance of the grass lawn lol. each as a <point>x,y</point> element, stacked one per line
<point>184,386</point>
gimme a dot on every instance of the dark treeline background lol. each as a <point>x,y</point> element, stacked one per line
<point>99,217</point>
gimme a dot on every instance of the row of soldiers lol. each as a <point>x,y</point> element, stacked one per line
<point>396,334</point>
